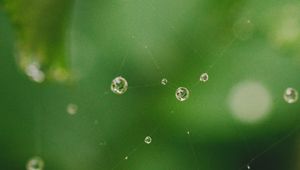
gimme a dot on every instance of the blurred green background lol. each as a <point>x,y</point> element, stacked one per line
<point>250,49</point>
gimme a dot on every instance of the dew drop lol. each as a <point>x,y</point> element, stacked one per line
<point>290,95</point>
<point>248,167</point>
<point>72,108</point>
<point>164,81</point>
<point>119,85</point>
<point>148,140</point>
<point>126,158</point>
<point>34,72</point>
<point>204,77</point>
<point>35,163</point>
<point>182,94</point>
<point>188,132</point>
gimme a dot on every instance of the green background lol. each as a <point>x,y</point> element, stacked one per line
<point>95,41</point>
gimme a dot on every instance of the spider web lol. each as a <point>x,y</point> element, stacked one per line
<point>146,41</point>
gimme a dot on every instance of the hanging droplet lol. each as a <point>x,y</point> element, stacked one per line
<point>34,72</point>
<point>164,81</point>
<point>182,94</point>
<point>119,85</point>
<point>204,77</point>
<point>248,167</point>
<point>148,140</point>
<point>126,158</point>
<point>290,95</point>
<point>35,163</point>
<point>72,108</point>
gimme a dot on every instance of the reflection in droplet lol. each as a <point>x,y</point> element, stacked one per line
<point>35,163</point>
<point>72,108</point>
<point>182,94</point>
<point>148,140</point>
<point>290,95</point>
<point>250,101</point>
<point>119,85</point>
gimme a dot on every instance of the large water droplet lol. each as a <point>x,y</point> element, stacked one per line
<point>119,85</point>
<point>182,94</point>
<point>148,140</point>
<point>290,95</point>
<point>35,163</point>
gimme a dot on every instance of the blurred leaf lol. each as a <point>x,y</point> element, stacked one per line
<point>41,35</point>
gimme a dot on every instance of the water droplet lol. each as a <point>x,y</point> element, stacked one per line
<point>290,95</point>
<point>164,81</point>
<point>182,94</point>
<point>148,140</point>
<point>204,77</point>
<point>34,72</point>
<point>188,132</point>
<point>72,108</point>
<point>126,158</point>
<point>119,85</point>
<point>35,163</point>
<point>248,167</point>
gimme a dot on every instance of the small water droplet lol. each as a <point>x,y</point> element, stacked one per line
<point>126,158</point>
<point>290,95</point>
<point>204,77</point>
<point>188,132</point>
<point>34,71</point>
<point>182,94</point>
<point>248,167</point>
<point>35,163</point>
<point>164,81</point>
<point>72,108</point>
<point>148,140</point>
<point>119,85</point>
